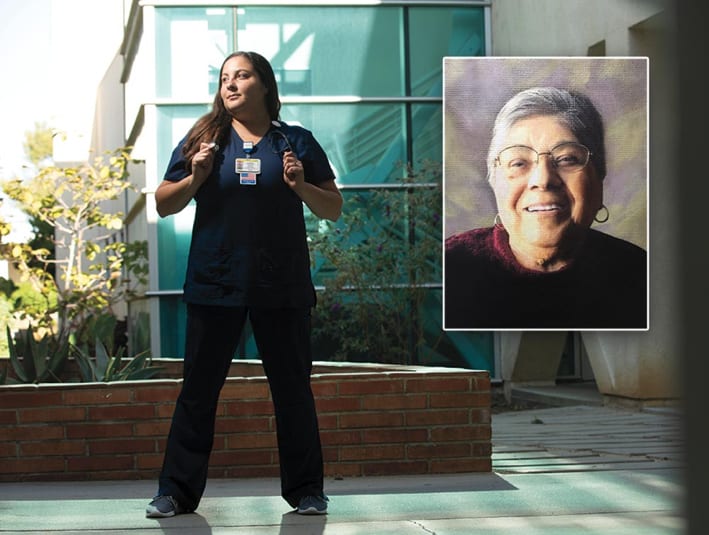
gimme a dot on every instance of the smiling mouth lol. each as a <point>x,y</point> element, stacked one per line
<point>550,207</point>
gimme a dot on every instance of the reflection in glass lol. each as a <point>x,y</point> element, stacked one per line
<point>365,142</point>
<point>328,50</point>
<point>190,45</point>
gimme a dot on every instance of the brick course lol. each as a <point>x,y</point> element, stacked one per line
<point>374,420</point>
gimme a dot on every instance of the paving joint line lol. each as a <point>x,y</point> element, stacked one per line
<point>418,524</point>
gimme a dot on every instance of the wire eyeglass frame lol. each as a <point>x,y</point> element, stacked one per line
<point>520,166</point>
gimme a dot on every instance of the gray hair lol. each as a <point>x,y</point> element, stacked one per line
<point>574,110</point>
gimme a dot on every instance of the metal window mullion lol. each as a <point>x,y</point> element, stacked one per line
<point>315,3</point>
<point>385,185</point>
<point>384,287</point>
<point>314,100</point>
<point>235,30</point>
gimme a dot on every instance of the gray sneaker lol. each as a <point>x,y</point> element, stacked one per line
<point>163,507</point>
<point>312,505</point>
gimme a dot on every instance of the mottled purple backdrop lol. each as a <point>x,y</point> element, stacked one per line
<point>476,88</point>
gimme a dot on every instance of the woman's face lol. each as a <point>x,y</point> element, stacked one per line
<point>543,206</point>
<point>241,87</point>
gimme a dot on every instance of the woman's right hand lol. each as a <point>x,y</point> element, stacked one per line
<point>173,196</point>
<point>202,162</point>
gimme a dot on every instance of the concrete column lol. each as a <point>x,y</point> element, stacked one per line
<point>632,368</point>
<point>530,358</point>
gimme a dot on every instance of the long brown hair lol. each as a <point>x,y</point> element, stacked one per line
<point>215,125</point>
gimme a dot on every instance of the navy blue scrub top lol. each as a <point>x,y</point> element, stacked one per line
<point>249,245</point>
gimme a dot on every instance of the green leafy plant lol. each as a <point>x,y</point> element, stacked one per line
<point>88,267</point>
<point>106,367</point>
<point>378,263</point>
<point>105,360</point>
<point>6,320</point>
<point>35,361</point>
<point>42,361</point>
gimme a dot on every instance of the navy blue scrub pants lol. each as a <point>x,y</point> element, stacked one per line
<point>283,341</point>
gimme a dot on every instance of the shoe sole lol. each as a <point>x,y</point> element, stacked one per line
<point>152,512</point>
<point>311,511</point>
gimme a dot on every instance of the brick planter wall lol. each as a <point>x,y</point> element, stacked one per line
<point>374,420</point>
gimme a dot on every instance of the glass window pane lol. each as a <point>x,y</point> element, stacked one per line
<point>365,142</point>
<point>385,237</point>
<point>460,349</point>
<point>328,50</point>
<point>379,324</point>
<point>190,45</point>
<point>458,32</point>
<point>173,317</point>
<point>427,124</point>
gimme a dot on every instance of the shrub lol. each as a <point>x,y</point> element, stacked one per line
<point>383,257</point>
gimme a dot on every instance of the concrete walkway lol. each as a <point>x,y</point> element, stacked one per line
<point>567,470</point>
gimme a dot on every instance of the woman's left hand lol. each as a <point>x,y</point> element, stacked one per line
<point>293,174</point>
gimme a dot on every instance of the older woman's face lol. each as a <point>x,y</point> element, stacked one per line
<point>542,207</point>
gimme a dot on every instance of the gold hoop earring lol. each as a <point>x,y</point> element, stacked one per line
<point>607,214</point>
<point>497,222</point>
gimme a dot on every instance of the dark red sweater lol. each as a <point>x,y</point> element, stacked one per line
<point>604,288</point>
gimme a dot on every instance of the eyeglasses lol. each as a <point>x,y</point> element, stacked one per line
<point>519,160</point>
<point>279,142</point>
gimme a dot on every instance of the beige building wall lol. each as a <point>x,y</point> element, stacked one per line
<point>635,367</point>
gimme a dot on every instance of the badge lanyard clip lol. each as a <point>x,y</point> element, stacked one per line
<point>248,168</point>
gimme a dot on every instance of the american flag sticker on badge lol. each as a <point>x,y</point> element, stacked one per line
<point>247,179</point>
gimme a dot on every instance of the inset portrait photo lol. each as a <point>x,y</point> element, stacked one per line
<point>545,182</point>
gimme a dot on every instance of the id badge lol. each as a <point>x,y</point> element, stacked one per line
<point>248,165</point>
